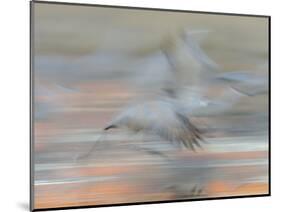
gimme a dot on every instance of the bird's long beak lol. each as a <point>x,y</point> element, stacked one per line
<point>110,127</point>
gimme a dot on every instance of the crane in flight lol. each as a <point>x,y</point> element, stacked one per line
<point>168,115</point>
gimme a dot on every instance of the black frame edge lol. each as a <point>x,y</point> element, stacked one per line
<point>153,202</point>
<point>147,8</point>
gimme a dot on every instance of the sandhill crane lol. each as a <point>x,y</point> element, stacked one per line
<point>167,115</point>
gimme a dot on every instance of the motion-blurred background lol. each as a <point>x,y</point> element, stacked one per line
<point>90,62</point>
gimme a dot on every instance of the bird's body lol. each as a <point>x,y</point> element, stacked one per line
<point>165,118</point>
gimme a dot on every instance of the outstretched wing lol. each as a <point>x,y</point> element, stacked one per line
<point>190,135</point>
<point>193,47</point>
<point>250,84</point>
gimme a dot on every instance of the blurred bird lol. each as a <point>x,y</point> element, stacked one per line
<point>208,74</point>
<point>167,114</point>
<point>204,70</point>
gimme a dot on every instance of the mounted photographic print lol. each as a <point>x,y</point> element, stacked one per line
<point>139,105</point>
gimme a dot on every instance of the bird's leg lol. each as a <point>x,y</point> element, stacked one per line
<point>86,155</point>
<point>148,150</point>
